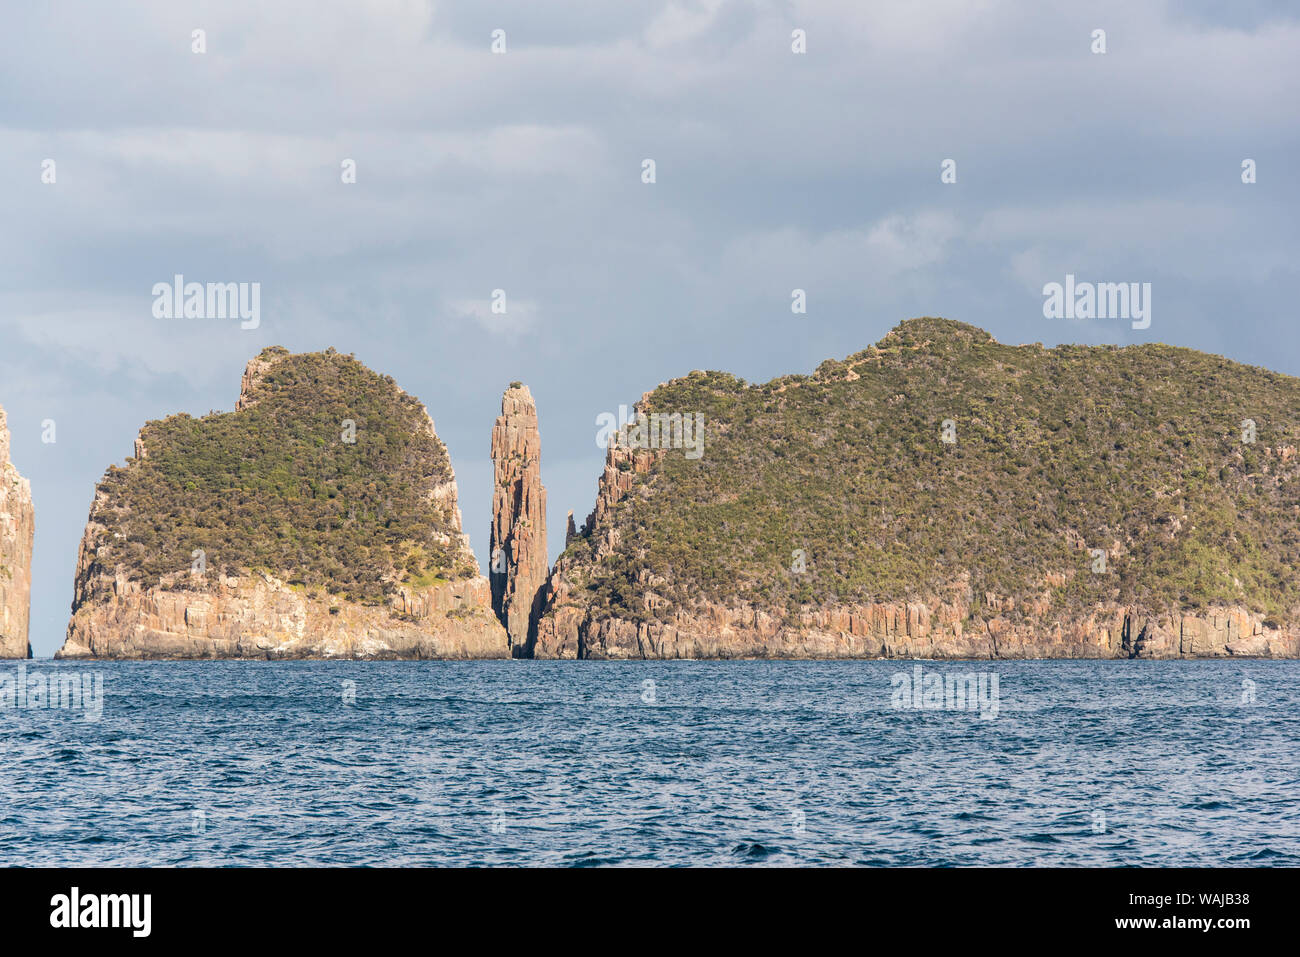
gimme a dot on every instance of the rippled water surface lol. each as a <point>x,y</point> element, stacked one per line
<point>716,763</point>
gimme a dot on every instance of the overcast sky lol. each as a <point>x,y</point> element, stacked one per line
<point>522,171</point>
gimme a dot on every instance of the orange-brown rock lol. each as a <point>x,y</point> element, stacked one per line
<point>912,630</point>
<point>260,616</point>
<point>518,536</point>
<point>17,528</point>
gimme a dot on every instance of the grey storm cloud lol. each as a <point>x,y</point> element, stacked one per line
<point>522,171</point>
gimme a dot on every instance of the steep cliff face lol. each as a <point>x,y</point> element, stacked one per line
<point>260,616</point>
<point>17,528</point>
<point>941,495</point>
<point>318,520</point>
<point>518,538</point>
<point>937,629</point>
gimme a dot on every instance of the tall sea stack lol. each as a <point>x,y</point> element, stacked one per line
<point>518,538</point>
<point>17,526</point>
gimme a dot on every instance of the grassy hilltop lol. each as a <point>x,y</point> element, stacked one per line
<point>1135,450</point>
<point>275,487</point>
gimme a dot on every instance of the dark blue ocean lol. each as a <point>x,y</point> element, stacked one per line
<point>714,763</point>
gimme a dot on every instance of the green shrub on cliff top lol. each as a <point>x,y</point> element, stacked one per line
<point>1137,450</point>
<point>275,487</point>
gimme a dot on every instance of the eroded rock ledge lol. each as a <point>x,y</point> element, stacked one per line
<point>259,616</point>
<point>912,630</point>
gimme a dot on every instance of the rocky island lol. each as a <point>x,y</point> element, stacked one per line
<point>942,495</point>
<point>17,528</point>
<point>317,520</point>
<point>936,495</point>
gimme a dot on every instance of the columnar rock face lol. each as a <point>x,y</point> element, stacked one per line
<point>946,626</point>
<point>518,537</point>
<point>319,520</point>
<point>17,527</point>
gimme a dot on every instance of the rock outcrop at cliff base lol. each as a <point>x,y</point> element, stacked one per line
<point>941,495</point>
<point>940,630</point>
<point>319,520</point>
<point>260,616</point>
<point>17,530</point>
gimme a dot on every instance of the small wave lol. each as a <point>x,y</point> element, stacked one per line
<point>754,851</point>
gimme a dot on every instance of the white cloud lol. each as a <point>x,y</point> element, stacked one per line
<point>680,22</point>
<point>519,316</point>
<point>885,248</point>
